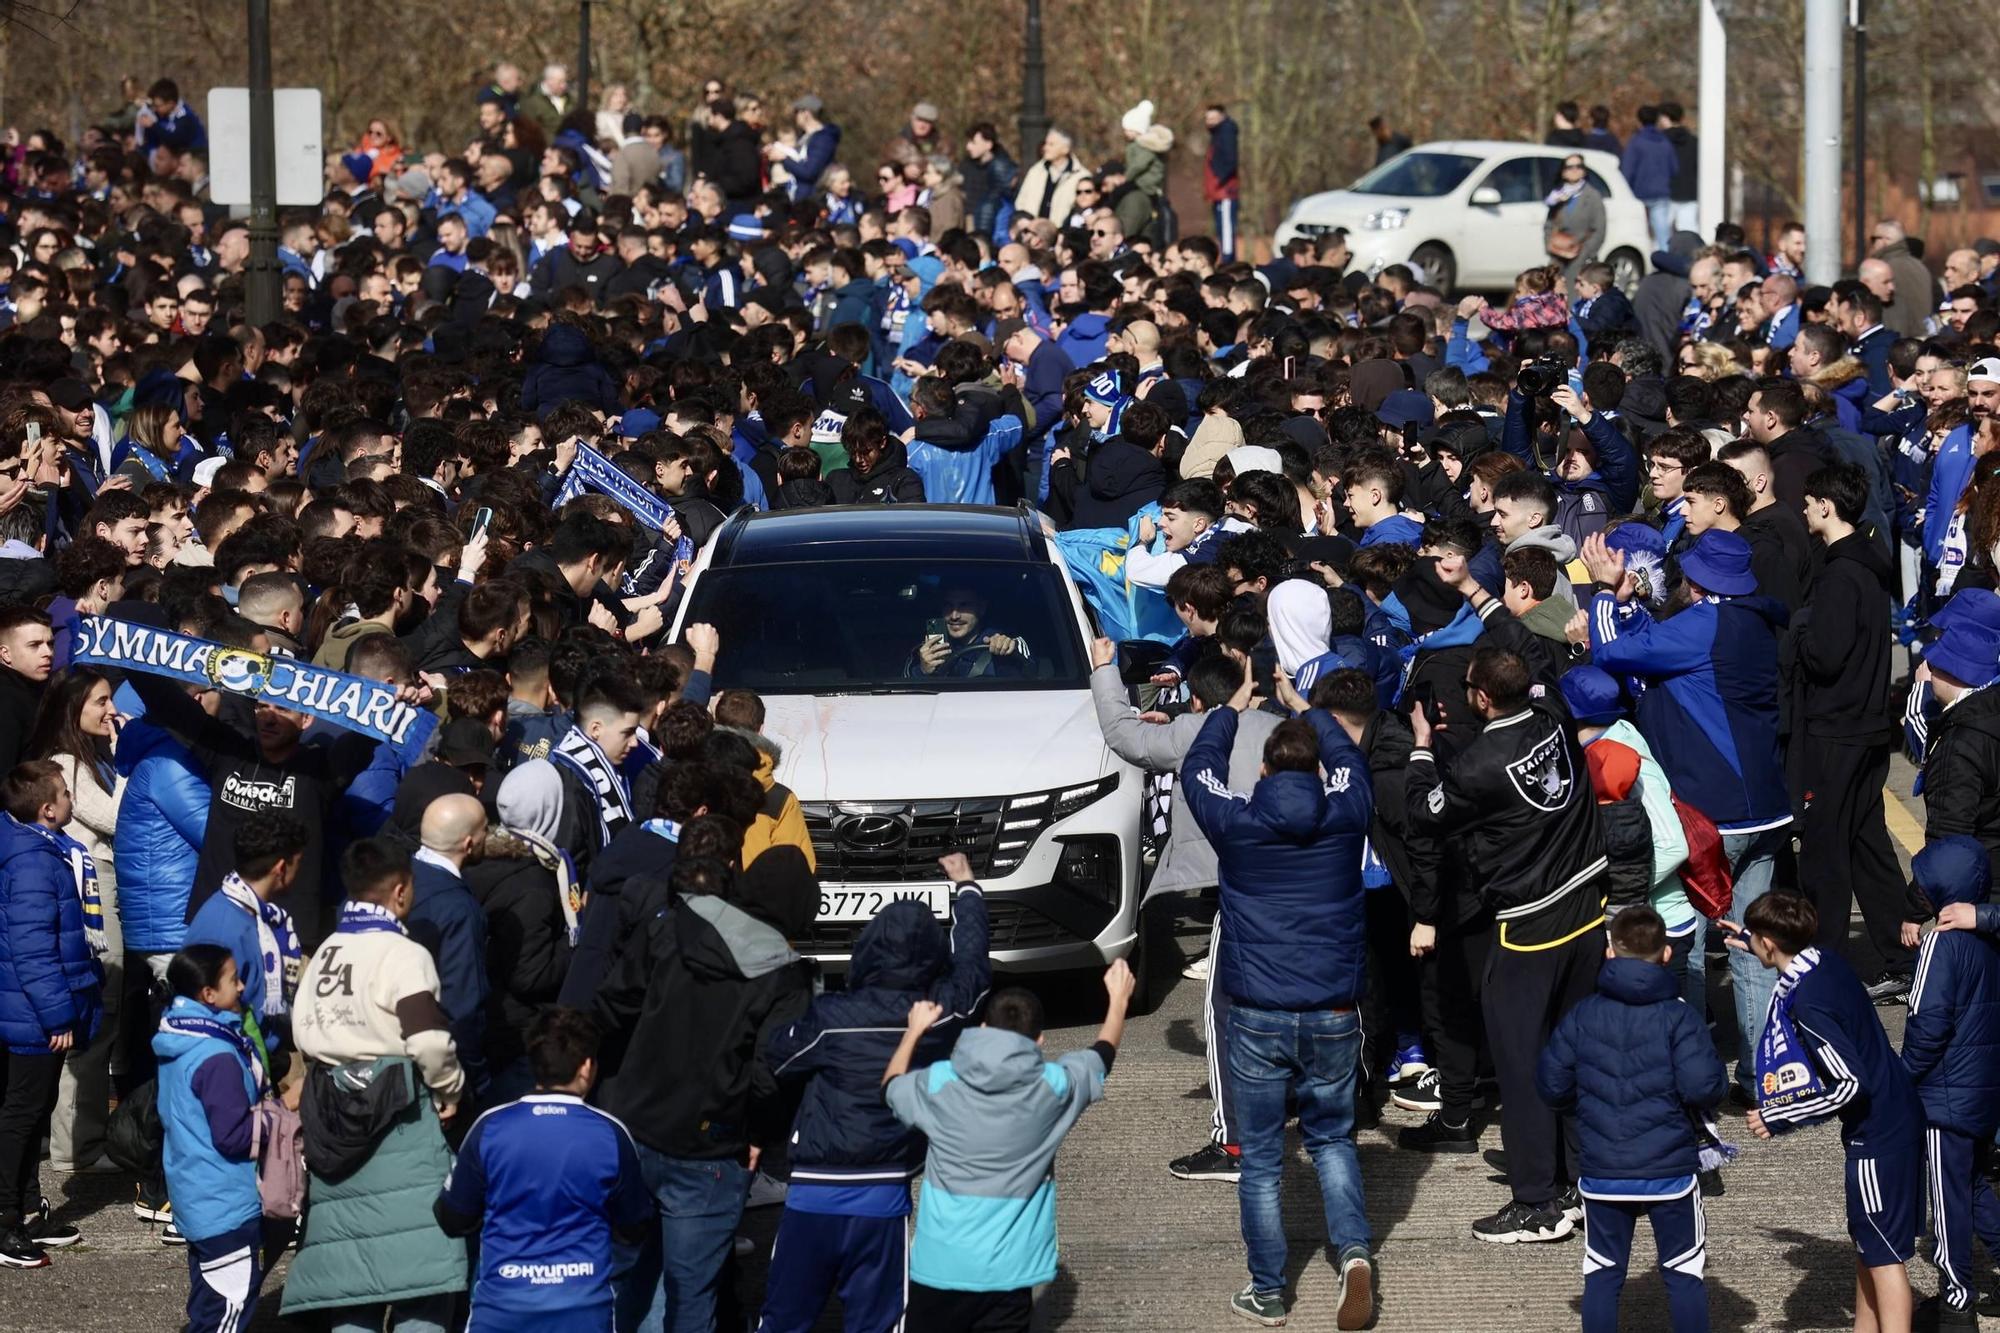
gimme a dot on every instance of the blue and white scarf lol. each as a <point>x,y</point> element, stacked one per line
<point>1786,1075</point>
<point>83,870</point>
<point>277,943</point>
<point>192,1018</point>
<point>366,918</point>
<point>582,756</point>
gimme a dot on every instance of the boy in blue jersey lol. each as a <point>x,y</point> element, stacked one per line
<point>1630,1061</point>
<point>996,1112</point>
<point>1823,1053</point>
<point>546,1181</point>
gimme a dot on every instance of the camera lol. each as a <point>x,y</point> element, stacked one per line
<point>1539,379</point>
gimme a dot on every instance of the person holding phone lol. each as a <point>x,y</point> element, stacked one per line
<point>957,644</point>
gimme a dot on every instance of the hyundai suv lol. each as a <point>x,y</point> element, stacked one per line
<point>925,669</point>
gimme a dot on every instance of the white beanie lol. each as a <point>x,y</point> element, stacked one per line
<point>1139,119</point>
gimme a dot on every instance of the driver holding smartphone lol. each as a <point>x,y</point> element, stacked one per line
<point>956,644</point>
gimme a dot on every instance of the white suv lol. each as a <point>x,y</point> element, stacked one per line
<point>832,616</point>
<point>1469,213</point>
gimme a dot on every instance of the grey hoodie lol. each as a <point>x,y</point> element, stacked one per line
<point>1558,544</point>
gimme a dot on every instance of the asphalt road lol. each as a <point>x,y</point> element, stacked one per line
<point>1142,1250</point>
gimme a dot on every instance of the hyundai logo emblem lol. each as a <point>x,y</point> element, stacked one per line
<point>871,832</point>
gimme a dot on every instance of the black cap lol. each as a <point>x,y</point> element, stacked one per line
<point>72,395</point>
<point>465,743</point>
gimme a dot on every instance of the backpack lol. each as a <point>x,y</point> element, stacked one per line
<point>1705,874</point>
<point>277,1145</point>
<point>133,1136</point>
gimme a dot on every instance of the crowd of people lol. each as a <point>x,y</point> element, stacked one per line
<point>1505,669</point>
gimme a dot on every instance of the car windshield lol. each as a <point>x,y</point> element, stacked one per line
<point>1417,175</point>
<point>889,626</point>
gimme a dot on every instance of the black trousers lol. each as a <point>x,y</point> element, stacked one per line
<point>935,1310</point>
<point>1527,992</point>
<point>1844,853</point>
<point>1390,1007</point>
<point>1450,980</point>
<point>26,1104</point>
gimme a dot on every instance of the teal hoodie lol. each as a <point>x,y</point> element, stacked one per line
<point>995,1113</point>
<point>206,1095</point>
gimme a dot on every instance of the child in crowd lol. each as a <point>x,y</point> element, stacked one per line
<point>1823,1053</point>
<point>545,1182</point>
<point>1951,1046</point>
<point>1632,1061</point>
<point>996,1113</point>
<point>211,1079</point>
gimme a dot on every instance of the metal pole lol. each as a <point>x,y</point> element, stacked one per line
<point>261,276</point>
<point>1858,18</point>
<point>1034,90</point>
<point>1822,141</point>
<point>582,99</point>
<point>1713,207</point>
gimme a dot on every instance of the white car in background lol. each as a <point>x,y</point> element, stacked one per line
<point>1468,213</point>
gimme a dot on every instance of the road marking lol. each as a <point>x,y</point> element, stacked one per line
<point>1903,827</point>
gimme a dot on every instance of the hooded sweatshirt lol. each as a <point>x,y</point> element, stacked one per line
<point>1301,623</point>
<point>1558,544</point>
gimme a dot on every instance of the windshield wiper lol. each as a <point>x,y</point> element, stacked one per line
<point>886,689</point>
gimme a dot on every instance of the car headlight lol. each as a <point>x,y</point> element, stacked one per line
<point>1385,219</point>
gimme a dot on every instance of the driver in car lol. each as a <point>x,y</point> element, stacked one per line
<point>964,648</point>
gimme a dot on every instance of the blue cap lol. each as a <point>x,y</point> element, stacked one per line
<point>359,165</point>
<point>160,388</point>
<point>1405,407</point>
<point>1968,653</point>
<point>1969,606</point>
<point>1592,696</point>
<point>746,227</point>
<point>1719,563</point>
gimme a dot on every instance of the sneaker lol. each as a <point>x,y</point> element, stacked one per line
<point>745,1247</point>
<point>1989,1301</point>
<point>17,1251</point>
<point>1932,1312</point>
<point>1571,1204</point>
<point>1434,1135</point>
<point>1197,970</point>
<point>1211,1161</point>
<point>1406,1064</point>
<point>765,1191</point>
<point>1893,988</point>
<point>171,1235</point>
<point>147,1208</point>
<point>1357,1291</point>
<point>46,1233</point>
<point>1522,1223</point>
<point>1266,1309</point>
<point>1420,1093</point>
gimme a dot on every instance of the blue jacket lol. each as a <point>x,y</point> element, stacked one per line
<point>1289,856</point>
<point>1649,163</point>
<point>566,370</point>
<point>365,805</point>
<point>1353,651</point>
<point>1951,1043</point>
<point>1709,707</point>
<point>1866,1085</point>
<point>1049,365</point>
<point>1629,1061</point>
<point>820,148</point>
<point>1083,341</point>
<point>1397,529</point>
<point>162,820</point>
<point>181,131</point>
<point>1951,470</point>
<point>206,1094</point>
<point>964,476</point>
<point>446,919</point>
<point>49,983</point>
<point>220,921</point>
<point>845,1135</point>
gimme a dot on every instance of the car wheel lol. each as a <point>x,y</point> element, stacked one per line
<point>1440,268</point>
<point>1626,269</point>
<point>1154,920</point>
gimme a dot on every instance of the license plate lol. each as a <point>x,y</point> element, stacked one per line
<point>867,904</point>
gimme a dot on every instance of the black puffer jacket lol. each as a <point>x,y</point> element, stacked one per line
<point>891,481</point>
<point>527,941</point>
<point>1962,773</point>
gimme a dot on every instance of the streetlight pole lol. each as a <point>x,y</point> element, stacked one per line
<point>1034,87</point>
<point>261,274</point>
<point>1858,19</point>
<point>583,58</point>
<point>1822,141</point>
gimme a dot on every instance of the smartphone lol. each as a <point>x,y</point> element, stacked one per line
<point>481,520</point>
<point>1291,365</point>
<point>1576,382</point>
<point>934,629</point>
<point>34,433</point>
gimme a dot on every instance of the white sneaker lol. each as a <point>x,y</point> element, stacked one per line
<point>1197,970</point>
<point>766,1191</point>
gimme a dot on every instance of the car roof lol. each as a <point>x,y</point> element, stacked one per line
<point>881,532</point>
<point>1498,147</point>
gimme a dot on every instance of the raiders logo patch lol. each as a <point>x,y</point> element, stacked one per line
<point>1543,776</point>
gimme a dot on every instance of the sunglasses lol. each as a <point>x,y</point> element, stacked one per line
<point>1096,231</point>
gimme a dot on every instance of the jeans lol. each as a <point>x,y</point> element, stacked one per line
<point>1752,857</point>
<point>1314,1057</point>
<point>669,1284</point>
<point>1694,982</point>
<point>427,1314</point>
<point>1660,217</point>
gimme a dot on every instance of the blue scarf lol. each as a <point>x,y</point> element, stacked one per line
<point>1785,1074</point>
<point>83,870</point>
<point>365,918</point>
<point>192,1018</point>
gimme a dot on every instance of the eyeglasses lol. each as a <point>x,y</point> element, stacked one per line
<point>1102,231</point>
<point>1572,166</point>
<point>1661,465</point>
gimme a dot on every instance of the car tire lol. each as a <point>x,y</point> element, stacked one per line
<point>1155,922</point>
<point>1627,267</point>
<point>1440,266</point>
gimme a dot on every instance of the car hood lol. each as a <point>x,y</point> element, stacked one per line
<point>935,746</point>
<point>1345,202</point>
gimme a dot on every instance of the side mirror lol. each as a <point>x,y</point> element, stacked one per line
<point>1140,659</point>
<point>1486,197</point>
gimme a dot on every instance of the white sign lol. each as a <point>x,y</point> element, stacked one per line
<point>295,115</point>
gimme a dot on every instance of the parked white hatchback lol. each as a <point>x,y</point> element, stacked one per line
<point>1469,213</point>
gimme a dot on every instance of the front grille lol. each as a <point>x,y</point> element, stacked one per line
<point>1014,926</point>
<point>887,842</point>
